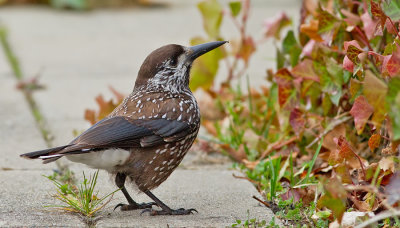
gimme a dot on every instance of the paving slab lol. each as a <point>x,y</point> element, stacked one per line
<point>219,198</point>
<point>18,131</point>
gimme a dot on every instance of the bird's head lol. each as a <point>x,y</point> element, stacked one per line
<point>168,67</point>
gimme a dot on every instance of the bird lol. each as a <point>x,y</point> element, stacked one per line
<point>146,137</point>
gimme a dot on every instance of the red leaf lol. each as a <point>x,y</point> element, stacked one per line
<point>361,111</point>
<point>378,13</point>
<point>348,64</point>
<point>274,25</point>
<point>345,149</point>
<point>353,50</point>
<point>369,25</point>
<point>284,80</point>
<point>390,28</point>
<point>297,120</point>
<point>308,48</point>
<point>391,63</point>
<point>374,141</point>
<point>291,194</point>
<point>378,58</point>
<point>305,69</point>
<point>351,19</point>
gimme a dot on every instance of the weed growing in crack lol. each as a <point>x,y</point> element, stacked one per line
<point>80,199</point>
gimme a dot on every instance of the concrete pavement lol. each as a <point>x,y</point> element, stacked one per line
<point>79,55</point>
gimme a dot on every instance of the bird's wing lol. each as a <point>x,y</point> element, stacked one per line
<point>124,132</point>
<point>119,132</point>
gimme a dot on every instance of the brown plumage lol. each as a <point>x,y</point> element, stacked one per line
<point>146,137</point>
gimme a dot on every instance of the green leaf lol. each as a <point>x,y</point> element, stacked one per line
<point>375,91</point>
<point>211,11</point>
<point>326,21</point>
<point>392,9</point>
<point>393,100</point>
<point>323,214</point>
<point>205,67</point>
<point>280,59</point>
<point>291,47</point>
<point>235,7</point>
<point>334,198</point>
<point>289,42</point>
<point>71,4</point>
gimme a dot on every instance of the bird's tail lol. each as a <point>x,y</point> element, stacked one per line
<point>47,155</point>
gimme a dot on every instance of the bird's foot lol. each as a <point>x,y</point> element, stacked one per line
<point>129,207</point>
<point>180,211</point>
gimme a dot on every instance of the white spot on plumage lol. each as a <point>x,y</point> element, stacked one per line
<point>164,116</point>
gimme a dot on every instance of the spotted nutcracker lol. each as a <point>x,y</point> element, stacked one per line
<point>146,137</point>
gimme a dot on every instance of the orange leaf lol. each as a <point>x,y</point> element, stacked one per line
<point>247,49</point>
<point>311,30</point>
<point>90,116</point>
<point>284,80</point>
<point>374,141</point>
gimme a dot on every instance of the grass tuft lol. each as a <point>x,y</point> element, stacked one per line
<point>81,199</point>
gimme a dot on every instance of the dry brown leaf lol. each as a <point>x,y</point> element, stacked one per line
<point>387,163</point>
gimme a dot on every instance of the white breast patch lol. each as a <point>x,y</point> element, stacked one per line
<point>106,159</point>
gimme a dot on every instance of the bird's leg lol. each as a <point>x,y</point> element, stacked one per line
<point>120,182</point>
<point>165,209</point>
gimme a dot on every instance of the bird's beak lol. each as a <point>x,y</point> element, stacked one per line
<point>198,50</point>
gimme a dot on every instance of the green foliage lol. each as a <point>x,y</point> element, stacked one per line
<point>71,4</point>
<point>235,7</point>
<point>12,59</point>
<point>206,67</point>
<point>330,115</point>
<point>212,17</point>
<point>80,199</point>
<point>250,222</point>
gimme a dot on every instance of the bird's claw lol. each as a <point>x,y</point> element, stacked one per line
<point>129,207</point>
<point>180,211</point>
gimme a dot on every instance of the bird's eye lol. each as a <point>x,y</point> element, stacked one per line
<point>173,62</point>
